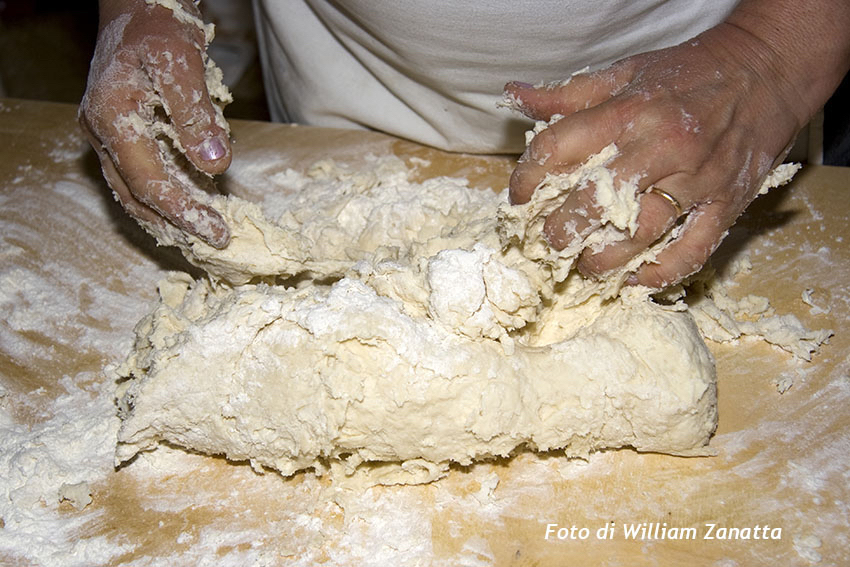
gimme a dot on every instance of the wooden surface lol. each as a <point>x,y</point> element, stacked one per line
<point>783,459</point>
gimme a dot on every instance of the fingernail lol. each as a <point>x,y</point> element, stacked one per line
<point>217,238</point>
<point>522,85</point>
<point>220,239</point>
<point>217,234</point>
<point>206,223</point>
<point>632,279</point>
<point>212,149</point>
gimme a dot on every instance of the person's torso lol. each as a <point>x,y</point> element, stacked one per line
<point>433,71</point>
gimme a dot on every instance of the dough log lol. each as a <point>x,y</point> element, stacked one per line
<point>294,379</point>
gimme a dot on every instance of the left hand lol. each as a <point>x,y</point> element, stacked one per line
<point>704,121</point>
<point>146,61</point>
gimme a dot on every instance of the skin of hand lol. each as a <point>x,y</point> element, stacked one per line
<point>146,63</point>
<point>704,121</point>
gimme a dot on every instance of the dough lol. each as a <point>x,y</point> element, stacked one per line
<point>388,328</point>
<point>297,378</point>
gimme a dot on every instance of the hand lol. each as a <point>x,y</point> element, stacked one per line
<point>704,122</point>
<point>149,69</point>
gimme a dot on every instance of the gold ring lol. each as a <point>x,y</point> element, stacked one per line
<point>667,197</point>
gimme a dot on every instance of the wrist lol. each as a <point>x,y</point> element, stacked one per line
<point>801,48</point>
<point>748,61</point>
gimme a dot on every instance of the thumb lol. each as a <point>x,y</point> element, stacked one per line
<point>177,71</point>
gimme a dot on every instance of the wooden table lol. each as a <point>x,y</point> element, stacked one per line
<point>77,274</point>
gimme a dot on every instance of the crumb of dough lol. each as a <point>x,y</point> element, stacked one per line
<point>807,298</point>
<point>723,318</point>
<point>182,15</point>
<point>78,494</point>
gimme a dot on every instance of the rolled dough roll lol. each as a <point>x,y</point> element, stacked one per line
<point>292,379</point>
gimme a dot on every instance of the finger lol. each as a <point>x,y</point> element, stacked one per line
<point>145,174</point>
<point>561,146</point>
<point>579,92</point>
<point>704,229</point>
<point>657,215</point>
<point>116,182</point>
<point>177,74</point>
<point>632,171</point>
<point>577,217</point>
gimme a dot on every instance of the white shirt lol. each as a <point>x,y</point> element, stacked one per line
<point>432,71</point>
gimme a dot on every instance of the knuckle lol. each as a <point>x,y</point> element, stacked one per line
<point>677,135</point>
<point>83,115</point>
<point>662,121</point>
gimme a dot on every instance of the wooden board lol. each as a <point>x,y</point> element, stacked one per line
<point>77,274</point>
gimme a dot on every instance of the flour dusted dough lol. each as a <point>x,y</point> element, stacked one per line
<point>307,377</point>
<point>423,328</point>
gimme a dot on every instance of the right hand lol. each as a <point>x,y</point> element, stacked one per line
<point>147,62</point>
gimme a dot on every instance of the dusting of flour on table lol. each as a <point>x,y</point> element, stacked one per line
<point>74,286</point>
<point>58,439</point>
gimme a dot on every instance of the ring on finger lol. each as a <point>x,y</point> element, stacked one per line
<point>667,197</point>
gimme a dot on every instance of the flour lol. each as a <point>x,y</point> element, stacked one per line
<point>807,546</point>
<point>53,461</point>
<point>58,438</point>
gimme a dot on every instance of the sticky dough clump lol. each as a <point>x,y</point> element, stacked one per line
<point>386,329</point>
